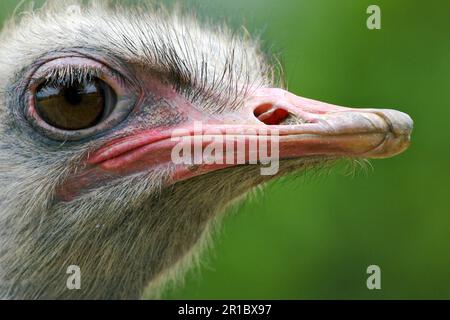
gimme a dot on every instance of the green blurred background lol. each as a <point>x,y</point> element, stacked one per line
<point>315,239</point>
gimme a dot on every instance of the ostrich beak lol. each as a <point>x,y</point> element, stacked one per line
<point>325,129</point>
<point>303,127</point>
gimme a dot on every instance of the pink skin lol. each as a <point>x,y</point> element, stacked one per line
<point>328,130</point>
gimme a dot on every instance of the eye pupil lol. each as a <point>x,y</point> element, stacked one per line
<point>73,95</point>
<point>75,106</point>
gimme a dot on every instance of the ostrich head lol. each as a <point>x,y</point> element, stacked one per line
<point>90,96</point>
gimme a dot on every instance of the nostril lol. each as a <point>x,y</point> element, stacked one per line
<point>262,109</point>
<point>269,115</point>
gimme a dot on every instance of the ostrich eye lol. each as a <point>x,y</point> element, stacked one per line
<point>75,106</point>
<point>75,98</point>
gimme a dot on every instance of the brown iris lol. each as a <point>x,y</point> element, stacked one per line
<point>75,106</point>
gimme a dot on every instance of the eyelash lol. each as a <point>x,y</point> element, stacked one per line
<point>69,75</point>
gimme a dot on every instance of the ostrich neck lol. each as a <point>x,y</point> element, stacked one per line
<point>116,260</point>
<point>119,252</point>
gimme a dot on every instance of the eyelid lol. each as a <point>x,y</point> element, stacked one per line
<point>65,69</point>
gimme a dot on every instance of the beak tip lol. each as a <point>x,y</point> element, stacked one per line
<point>401,123</point>
<point>399,138</point>
<point>402,127</point>
<point>398,128</point>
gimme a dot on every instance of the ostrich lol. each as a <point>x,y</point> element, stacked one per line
<point>89,97</point>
